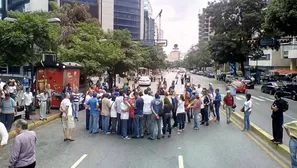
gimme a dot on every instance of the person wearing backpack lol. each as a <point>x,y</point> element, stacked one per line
<point>278,107</point>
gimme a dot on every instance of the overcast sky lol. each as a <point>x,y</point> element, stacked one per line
<point>179,21</point>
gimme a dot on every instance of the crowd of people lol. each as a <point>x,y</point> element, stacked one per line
<point>137,113</point>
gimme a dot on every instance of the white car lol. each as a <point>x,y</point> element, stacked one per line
<point>144,81</point>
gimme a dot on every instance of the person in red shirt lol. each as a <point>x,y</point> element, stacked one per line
<point>228,105</point>
<point>131,114</point>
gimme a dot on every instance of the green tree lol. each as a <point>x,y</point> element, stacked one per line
<point>24,40</point>
<point>234,22</point>
<point>153,57</point>
<point>281,18</point>
<point>85,46</point>
<point>198,57</point>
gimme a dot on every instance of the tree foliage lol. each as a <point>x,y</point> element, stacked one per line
<point>198,56</point>
<point>78,38</point>
<point>20,40</point>
<point>234,22</point>
<point>281,18</point>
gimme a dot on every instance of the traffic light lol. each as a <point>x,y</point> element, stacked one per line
<point>284,40</point>
<point>252,41</point>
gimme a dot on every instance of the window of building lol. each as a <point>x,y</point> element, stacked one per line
<point>126,22</point>
<point>127,16</point>
<point>265,57</point>
<point>128,4</point>
<point>286,54</point>
<point>128,10</point>
<point>14,70</point>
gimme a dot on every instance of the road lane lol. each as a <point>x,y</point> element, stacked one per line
<point>216,145</point>
<point>261,114</point>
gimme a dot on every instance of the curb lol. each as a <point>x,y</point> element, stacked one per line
<point>281,148</point>
<point>33,125</point>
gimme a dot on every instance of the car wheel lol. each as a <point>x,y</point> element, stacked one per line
<point>294,97</point>
<point>262,90</point>
<point>271,92</point>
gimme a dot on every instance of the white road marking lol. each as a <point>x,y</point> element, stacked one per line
<point>257,103</point>
<point>238,97</point>
<point>290,117</point>
<point>266,98</point>
<point>180,161</point>
<point>254,97</point>
<point>79,161</point>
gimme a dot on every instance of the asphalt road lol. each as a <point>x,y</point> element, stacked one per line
<point>261,114</point>
<point>218,145</point>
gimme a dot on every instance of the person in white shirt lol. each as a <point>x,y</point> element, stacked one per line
<point>181,113</point>
<point>67,118</point>
<point>42,97</point>
<point>12,88</point>
<point>4,135</point>
<point>147,112</point>
<point>247,110</point>
<point>27,100</point>
<point>89,95</point>
<point>124,117</point>
<point>113,115</point>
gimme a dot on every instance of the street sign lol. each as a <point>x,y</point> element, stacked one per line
<point>3,70</point>
<point>267,42</point>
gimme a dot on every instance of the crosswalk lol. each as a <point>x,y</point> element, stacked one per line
<point>257,98</point>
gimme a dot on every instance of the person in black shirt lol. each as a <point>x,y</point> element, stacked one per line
<point>277,119</point>
<point>167,117</point>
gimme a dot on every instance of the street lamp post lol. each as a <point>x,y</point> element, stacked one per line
<point>50,20</point>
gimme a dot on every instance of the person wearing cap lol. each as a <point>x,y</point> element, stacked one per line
<point>228,105</point>
<point>93,105</point>
<point>67,118</point>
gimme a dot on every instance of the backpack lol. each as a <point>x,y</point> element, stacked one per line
<point>286,106</point>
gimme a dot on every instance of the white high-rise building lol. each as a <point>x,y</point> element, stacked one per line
<point>106,14</point>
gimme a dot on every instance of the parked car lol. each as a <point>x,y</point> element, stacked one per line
<point>211,75</point>
<point>144,81</point>
<point>271,87</point>
<point>229,78</point>
<point>199,73</point>
<point>221,77</point>
<point>290,90</point>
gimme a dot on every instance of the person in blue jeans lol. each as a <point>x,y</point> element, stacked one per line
<point>156,107</point>
<point>247,107</point>
<point>196,106</point>
<point>138,116</point>
<point>217,104</point>
<point>93,105</point>
<point>291,128</point>
<point>8,110</point>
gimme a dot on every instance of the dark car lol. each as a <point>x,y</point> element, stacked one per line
<point>211,75</point>
<point>221,77</point>
<point>272,87</point>
<point>290,90</point>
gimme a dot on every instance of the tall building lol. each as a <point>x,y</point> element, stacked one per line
<point>129,14</point>
<point>149,22</point>
<point>106,14</point>
<point>205,30</point>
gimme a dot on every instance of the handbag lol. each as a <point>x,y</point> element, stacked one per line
<point>242,109</point>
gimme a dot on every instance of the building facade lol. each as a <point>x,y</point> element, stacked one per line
<point>106,14</point>
<point>204,27</point>
<point>129,14</point>
<point>149,22</point>
<point>175,55</point>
